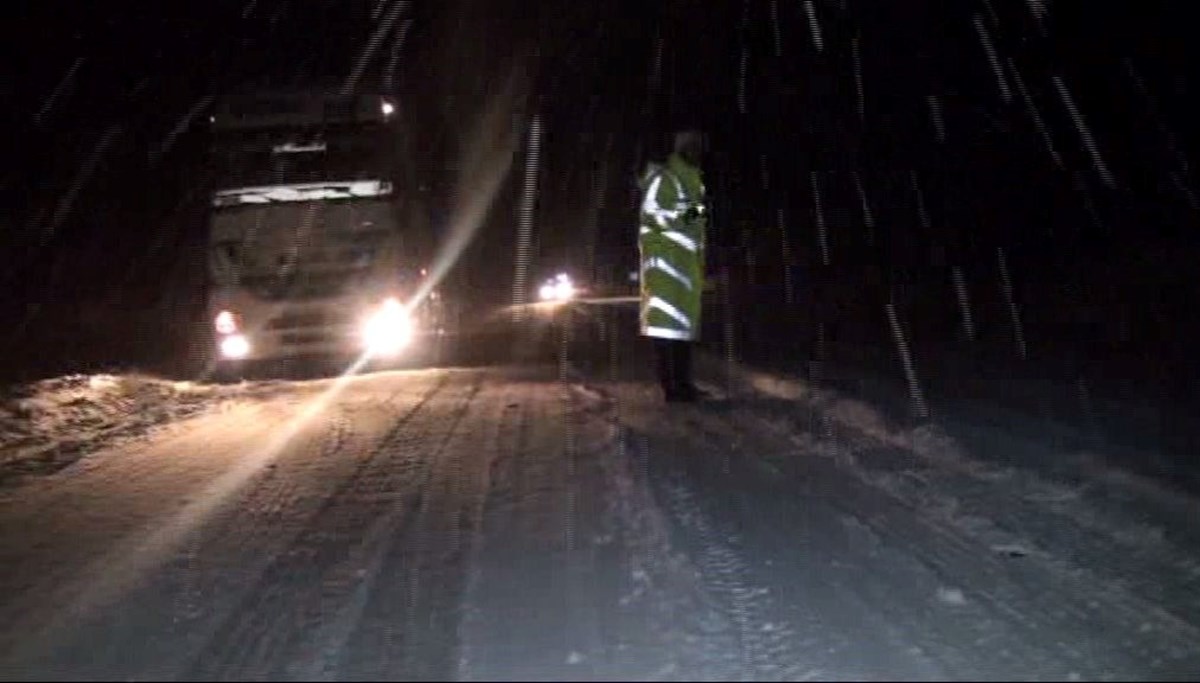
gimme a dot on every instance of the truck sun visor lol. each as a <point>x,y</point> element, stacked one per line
<point>301,192</point>
<point>299,148</point>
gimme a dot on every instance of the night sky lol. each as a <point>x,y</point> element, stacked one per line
<point>1060,185</point>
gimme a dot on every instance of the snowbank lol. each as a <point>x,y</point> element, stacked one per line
<point>1041,460</point>
<point>47,425</point>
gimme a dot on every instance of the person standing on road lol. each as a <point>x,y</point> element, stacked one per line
<point>672,242</point>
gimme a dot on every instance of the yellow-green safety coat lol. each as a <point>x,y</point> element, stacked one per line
<point>671,241</point>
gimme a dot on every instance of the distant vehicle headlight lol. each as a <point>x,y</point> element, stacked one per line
<point>235,346</point>
<point>560,288</point>
<point>226,322</point>
<point>389,329</point>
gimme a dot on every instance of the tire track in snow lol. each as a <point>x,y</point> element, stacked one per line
<point>105,529</point>
<point>176,608</point>
<point>819,623</point>
<point>659,591</point>
<point>849,575</point>
<point>511,439</point>
<point>719,621</point>
<point>317,574</point>
<point>762,643</point>
<point>1029,612</point>
<point>427,564</point>
<point>274,515</point>
<point>514,623</point>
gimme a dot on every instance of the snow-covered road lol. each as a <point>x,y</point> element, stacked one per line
<point>526,523</point>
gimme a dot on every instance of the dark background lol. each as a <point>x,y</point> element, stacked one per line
<point>104,178</point>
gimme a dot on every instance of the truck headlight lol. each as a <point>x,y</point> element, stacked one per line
<point>389,329</point>
<point>235,346</point>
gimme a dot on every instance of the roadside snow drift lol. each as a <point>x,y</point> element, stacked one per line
<point>48,425</point>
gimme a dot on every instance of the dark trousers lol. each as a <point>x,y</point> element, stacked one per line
<point>675,367</point>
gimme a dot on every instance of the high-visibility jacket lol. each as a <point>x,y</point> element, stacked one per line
<point>671,241</point>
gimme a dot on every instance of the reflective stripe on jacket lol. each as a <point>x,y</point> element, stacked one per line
<point>671,241</point>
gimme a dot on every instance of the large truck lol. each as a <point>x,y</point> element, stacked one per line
<point>319,241</point>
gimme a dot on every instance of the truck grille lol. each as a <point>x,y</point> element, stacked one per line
<point>303,286</point>
<point>304,338</point>
<point>291,320</point>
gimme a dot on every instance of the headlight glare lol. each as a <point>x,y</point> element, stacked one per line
<point>559,288</point>
<point>235,347</point>
<point>389,329</point>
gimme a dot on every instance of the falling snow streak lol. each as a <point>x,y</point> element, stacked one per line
<point>1156,115</point>
<point>1010,301</point>
<point>822,231</point>
<point>744,58</point>
<point>139,87</point>
<point>728,332</point>
<point>300,239</point>
<point>936,117</point>
<point>814,26</point>
<point>785,248</point>
<point>741,92</point>
<point>378,11</point>
<point>776,36</point>
<point>860,104</point>
<point>991,12</point>
<point>916,396</point>
<point>1182,186</point>
<point>372,46</point>
<point>180,128</point>
<point>654,82</point>
<point>867,214</point>
<point>816,364</point>
<point>750,255</point>
<point>964,302</point>
<point>389,72</point>
<point>1089,203</point>
<point>599,192</point>
<point>1086,405</point>
<point>82,177</point>
<point>919,199</point>
<point>986,40</point>
<point>1040,12</point>
<point>63,84</point>
<point>525,218</point>
<point>656,64</point>
<point>1085,133</point>
<point>1031,107</point>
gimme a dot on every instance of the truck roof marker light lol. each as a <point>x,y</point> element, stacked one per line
<point>226,322</point>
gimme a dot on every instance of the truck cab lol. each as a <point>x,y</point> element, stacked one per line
<point>318,243</point>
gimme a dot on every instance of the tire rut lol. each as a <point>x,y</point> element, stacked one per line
<point>763,643</point>
<point>316,574</point>
<point>986,598</point>
<point>544,586</point>
<point>409,624</point>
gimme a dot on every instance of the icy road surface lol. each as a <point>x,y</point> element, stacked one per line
<point>525,524</point>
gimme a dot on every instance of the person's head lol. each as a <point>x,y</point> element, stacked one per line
<point>689,144</point>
